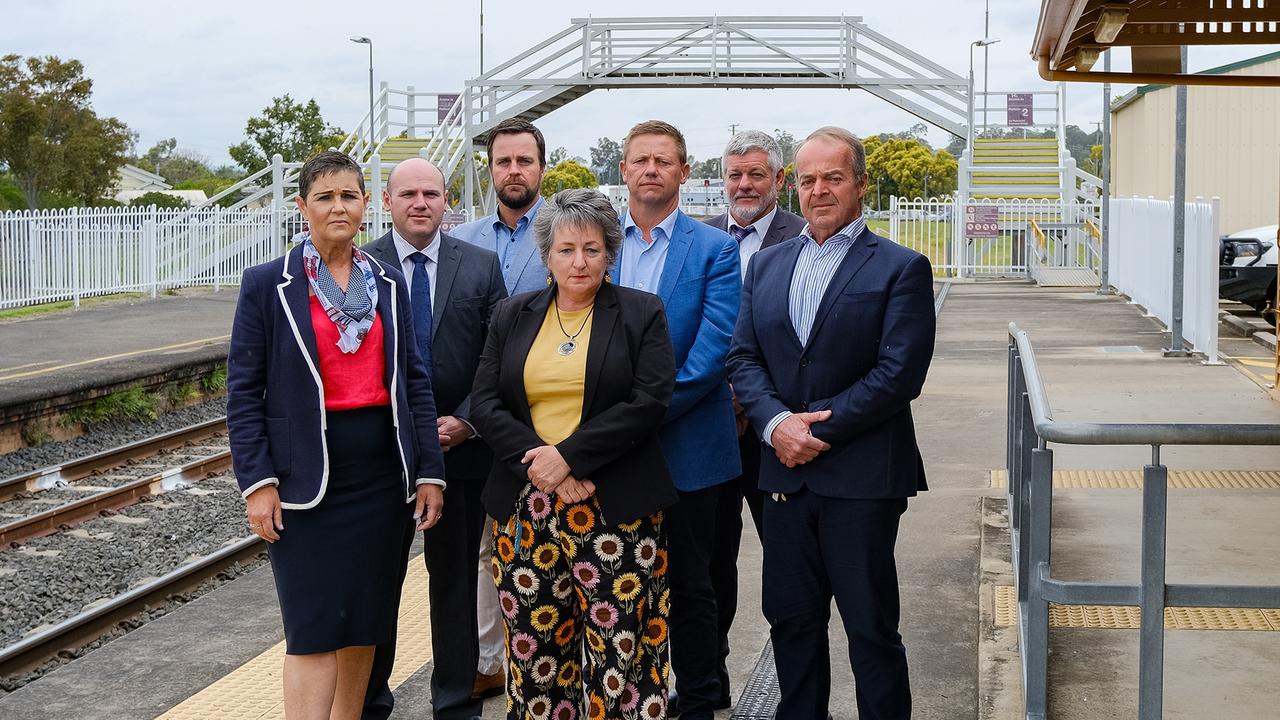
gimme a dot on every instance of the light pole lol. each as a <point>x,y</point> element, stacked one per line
<point>367,41</point>
<point>976,43</point>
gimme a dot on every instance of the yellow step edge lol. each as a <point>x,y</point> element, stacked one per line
<point>1127,617</point>
<point>253,691</point>
<point>1178,479</point>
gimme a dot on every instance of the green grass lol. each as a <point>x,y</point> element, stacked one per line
<point>215,381</point>
<point>42,309</point>
<point>930,237</point>
<point>131,404</point>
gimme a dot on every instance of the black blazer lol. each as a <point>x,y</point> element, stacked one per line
<point>631,374</point>
<point>468,285</point>
<point>785,226</point>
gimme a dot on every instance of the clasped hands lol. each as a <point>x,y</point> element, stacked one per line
<point>793,443</point>
<point>550,473</point>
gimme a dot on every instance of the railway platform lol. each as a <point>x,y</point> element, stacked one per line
<point>218,656</point>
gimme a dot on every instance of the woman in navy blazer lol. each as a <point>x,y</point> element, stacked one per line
<point>333,434</point>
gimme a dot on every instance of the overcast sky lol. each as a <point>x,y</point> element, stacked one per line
<point>197,71</point>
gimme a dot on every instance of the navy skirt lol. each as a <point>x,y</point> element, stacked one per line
<point>339,565</point>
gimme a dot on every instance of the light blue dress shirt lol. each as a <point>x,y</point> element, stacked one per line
<point>506,240</point>
<point>641,262</point>
<point>815,266</point>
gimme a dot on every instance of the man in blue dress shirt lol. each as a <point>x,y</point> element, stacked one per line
<point>694,268</point>
<point>517,162</point>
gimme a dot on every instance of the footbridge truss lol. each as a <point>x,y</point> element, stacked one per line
<point>703,52</point>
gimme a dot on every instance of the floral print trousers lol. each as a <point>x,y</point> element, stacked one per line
<point>585,606</point>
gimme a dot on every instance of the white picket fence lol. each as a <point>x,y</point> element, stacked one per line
<point>935,228</point>
<point>53,255</point>
<point>1141,263</point>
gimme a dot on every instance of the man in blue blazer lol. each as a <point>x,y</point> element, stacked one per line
<point>517,161</point>
<point>832,344</point>
<point>694,268</point>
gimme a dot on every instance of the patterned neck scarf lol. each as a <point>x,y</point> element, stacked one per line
<point>353,311</point>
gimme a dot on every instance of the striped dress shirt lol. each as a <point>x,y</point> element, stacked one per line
<point>815,266</point>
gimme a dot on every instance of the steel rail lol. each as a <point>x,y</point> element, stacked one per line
<point>79,630</point>
<point>112,498</point>
<point>80,468</point>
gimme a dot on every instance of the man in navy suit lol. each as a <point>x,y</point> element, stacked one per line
<point>694,269</point>
<point>832,344</point>
<point>461,283</point>
<point>753,175</point>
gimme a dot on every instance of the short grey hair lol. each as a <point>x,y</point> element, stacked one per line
<point>579,207</point>
<point>840,135</point>
<point>748,140</point>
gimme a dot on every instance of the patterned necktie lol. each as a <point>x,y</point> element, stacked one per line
<point>740,234</point>
<point>420,303</point>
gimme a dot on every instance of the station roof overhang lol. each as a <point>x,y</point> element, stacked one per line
<point>1072,34</point>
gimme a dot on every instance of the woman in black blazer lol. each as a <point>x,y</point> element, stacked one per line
<point>333,439</point>
<point>570,393</point>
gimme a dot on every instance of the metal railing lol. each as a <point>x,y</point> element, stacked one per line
<point>1030,427</point>
<point>935,228</point>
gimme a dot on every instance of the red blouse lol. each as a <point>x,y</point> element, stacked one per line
<point>351,380</point>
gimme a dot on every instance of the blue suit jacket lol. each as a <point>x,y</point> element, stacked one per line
<point>865,361</point>
<point>700,287</point>
<point>275,397</point>
<point>526,272</point>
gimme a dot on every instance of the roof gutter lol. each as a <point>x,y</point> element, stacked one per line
<point>1156,78</point>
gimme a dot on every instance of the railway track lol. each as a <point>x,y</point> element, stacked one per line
<point>201,449</point>
<point>68,636</point>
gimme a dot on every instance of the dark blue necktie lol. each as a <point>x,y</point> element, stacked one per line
<point>740,234</point>
<point>420,303</point>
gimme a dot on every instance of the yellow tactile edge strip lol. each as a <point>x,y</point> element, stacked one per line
<point>1181,479</point>
<point>253,691</point>
<point>1125,617</point>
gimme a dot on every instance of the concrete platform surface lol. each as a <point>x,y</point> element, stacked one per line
<point>68,350</point>
<point>953,545</point>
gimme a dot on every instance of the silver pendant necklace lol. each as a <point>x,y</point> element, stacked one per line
<point>567,347</point>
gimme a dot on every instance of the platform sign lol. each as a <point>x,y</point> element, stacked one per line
<point>1021,112</point>
<point>444,103</point>
<point>981,221</point>
<point>451,220</point>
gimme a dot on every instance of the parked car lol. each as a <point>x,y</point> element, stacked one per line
<point>1248,268</point>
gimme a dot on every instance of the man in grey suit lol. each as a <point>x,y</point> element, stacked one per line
<point>517,162</point>
<point>753,175</point>
<point>457,284</point>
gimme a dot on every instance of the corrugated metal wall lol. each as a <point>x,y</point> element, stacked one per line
<point>1233,148</point>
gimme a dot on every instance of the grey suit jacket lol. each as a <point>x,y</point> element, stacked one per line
<point>785,226</point>
<point>468,285</point>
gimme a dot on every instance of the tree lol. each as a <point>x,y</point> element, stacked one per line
<point>558,156</point>
<point>788,144</point>
<point>904,167</point>
<point>51,140</point>
<point>458,185</point>
<point>295,130</point>
<point>159,199</point>
<point>568,174</point>
<point>708,169</point>
<point>606,156</point>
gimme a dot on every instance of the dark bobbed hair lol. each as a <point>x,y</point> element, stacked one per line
<point>328,162</point>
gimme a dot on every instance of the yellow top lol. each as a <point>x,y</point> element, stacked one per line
<point>553,381</point>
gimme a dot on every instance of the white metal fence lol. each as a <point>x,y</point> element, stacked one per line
<point>53,255</point>
<point>936,228</point>
<point>1141,263</point>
